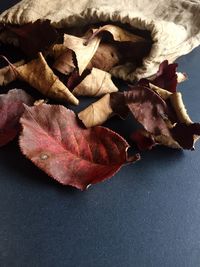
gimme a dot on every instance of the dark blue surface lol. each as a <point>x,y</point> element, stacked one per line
<point>148,215</point>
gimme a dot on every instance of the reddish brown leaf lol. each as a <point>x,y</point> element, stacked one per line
<point>53,140</point>
<point>143,141</point>
<point>35,37</point>
<point>148,108</point>
<point>166,77</point>
<point>11,109</point>
<point>184,134</point>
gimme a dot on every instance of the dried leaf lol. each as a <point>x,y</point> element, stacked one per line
<point>83,52</point>
<point>97,83</point>
<point>118,34</point>
<point>39,75</point>
<point>65,63</point>
<point>129,47</point>
<point>149,109</point>
<point>106,57</point>
<point>11,109</point>
<point>143,139</point>
<point>35,37</point>
<point>68,153</point>
<point>165,78</point>
<point>8,73</point>
<point>96,113</point>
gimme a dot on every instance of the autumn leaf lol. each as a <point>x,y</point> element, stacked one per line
<point>106,57</point>
<point>39,75</point>
<point>35,37</point>
<point>143,139</point>
<point>67,152</point>
<point>97,83</point>
<point>96,113</point>
<point>166,77</point>
<point>118,34</point>
<point>65,62</point>
<point>129,47</point>
<point>11,109</point>
<point>8,74</point>
<point>83,52</point>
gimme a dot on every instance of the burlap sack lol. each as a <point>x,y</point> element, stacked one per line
<point>174,24</point>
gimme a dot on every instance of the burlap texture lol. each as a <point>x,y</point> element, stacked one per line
<point>174,25</point>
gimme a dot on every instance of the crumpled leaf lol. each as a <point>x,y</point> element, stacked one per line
<point>39,75</point>
<point>96,113</point>
<point>118,34</point>
<point>165,78</point>
<point>143,139</point>
<point>68,153</point>
<point>65,62</point>
<point>35,37</point>
<point>106,57</point>
<point>83,52</point>
<point>8,73</point>
<point>97,83</point>
<point>129,46</point>
<point>11,109</point>
<point>149,109</point>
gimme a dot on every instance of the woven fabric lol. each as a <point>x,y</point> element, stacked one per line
<point>174,25</point>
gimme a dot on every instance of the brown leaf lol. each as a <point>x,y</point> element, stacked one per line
<point>11,109</point>
<point>97,83</point>
<point>96,113</point>
<point>35,37</point>
<point>106,57</point>
<point>65,63</point>
<point>68,153</point>
<point>39,75</point>
<point>118,34</point>
<point>129,46</point>
<point>8,74</point>
<point>83,52</point>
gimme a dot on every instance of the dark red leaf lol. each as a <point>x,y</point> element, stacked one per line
<point>184,134</point>
<point>11,109</point>
<point>148,108</point>
<point>165,78</point>
<point>35,37</point>
<point>53,140</point>
<point>143,142</point>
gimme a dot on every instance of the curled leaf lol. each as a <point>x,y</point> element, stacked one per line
<point>97,83</point>
<point>96,113</point>
<point>11,109</point>
<point>35,37</point>
<point>83,52</point>
<point>65,63</point>
<point>106,57</point>
<point>165,78</point>
<point>39,75</point>
<point>118,34</point>
<point>68,153</point>
<point>8,74</point>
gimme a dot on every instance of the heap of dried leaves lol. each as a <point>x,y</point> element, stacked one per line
<point>76,150</point>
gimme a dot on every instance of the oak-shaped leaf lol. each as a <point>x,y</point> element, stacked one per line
<point>55,142</point>
<point>11,109</point>
<point>35,37</point>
